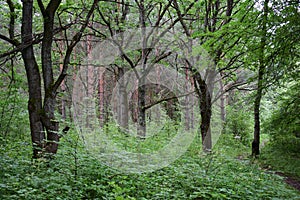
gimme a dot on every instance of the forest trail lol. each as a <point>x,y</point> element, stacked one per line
<point>292,181</point>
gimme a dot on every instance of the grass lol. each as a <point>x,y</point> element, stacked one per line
<point>227,173</point>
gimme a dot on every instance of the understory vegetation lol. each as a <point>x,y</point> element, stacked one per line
<point>226,173</point>
<point>150,99</point>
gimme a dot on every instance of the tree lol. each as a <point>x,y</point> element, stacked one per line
<point>156,18</point>
<point>260,79</point>
<point>211,28</point>
<point>41,107</point>
<point>277,52</point>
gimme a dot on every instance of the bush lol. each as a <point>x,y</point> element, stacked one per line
<point>239,123</point>
<point>285,120</point>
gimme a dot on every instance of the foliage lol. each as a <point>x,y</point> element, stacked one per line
<point>282,155</point>
<point>13,116</point>
<point>283,127</point>
<point>231,38</point>
<point>239,121</point>
<point>284,120</point>
<point>74,174</point>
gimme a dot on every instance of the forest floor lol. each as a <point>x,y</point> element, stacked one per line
<point>290,180</point>
<point>283,160</point>
<point>227,173</point>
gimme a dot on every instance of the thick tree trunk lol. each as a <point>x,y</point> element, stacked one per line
<point>205,105</point>
<point>48,118</point>
<point>256,140</point>
<point>42,115</point>
<point>205,110</point>
<point>34,82</point>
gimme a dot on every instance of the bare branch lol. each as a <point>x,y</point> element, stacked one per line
<point>41,6</point>
<point>76,38</point>
<point>37,39</point>
<point>167,99</point>
<point>12,19</point>
<point>9,40</point>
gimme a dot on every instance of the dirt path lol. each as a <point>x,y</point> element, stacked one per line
<point>295,183</point>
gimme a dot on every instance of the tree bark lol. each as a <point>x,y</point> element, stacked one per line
<point>222,101</point>
<point>188,109</point>
<point>101,96</point>
<point>48,118</point>
<point>41,113</point>
<point>205,105</point>
<point>123,101</point>
<point>261,72</point>
<point>141,127</point>
<point>34,81</point>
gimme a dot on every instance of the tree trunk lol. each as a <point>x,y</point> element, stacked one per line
<point>48,118</point>
<point>205,110</point>
<point>187,104</point>
<point>261,72</point>
<point>205,105</point>
<point>101,95</point>
<point>141,127</point>
<point>122,106</point>
<point>34,82</point>
<point>62,86</point>
<point>90,84</point>
<point>222,101</point>
<point>41,114</point>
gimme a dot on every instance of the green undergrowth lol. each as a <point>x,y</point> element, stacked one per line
<point>282,155</point>
<point>226,173</point>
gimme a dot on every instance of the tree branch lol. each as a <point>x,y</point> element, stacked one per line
<point>76,38</point>
<point>12,19</point>
<point>37,39</point>
<point>167,99</point>
<point>41,6</point>
<point>9,40</point>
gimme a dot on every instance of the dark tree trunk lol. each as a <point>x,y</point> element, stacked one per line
<point>205,105</point>
<point>141,129</point>
<point>256,140</point>
<point>34,82</point>
<point>205,110</point>
<point>261,72</point>
<point>48,119</point>
<point>41,114</point>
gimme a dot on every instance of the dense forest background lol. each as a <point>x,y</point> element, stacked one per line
<point>161,99</point>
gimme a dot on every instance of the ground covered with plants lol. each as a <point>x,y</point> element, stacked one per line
<point>226,173</point>
<point>132,75</point>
